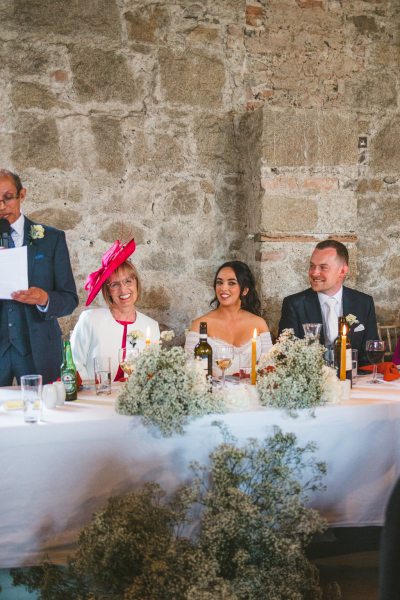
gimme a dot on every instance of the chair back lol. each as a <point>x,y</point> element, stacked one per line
<point>389,334</point>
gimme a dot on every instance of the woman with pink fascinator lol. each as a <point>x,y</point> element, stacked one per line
<point>103,331</point>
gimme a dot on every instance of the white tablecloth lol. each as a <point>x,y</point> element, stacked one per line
<point>56,473</point>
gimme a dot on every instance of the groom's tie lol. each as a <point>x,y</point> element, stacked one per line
<point>332,319</point>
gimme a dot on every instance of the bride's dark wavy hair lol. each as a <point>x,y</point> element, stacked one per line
<point>245,277</point>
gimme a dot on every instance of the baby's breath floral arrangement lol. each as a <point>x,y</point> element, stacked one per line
<point>252,533</point>
<point>292,375</point>
<point>166,390</point>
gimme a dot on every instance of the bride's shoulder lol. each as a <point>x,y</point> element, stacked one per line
<point>207,318</point>
<point>256,322</point>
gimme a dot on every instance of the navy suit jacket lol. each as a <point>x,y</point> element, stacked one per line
<point>49,268</point>
<point>304,307</point>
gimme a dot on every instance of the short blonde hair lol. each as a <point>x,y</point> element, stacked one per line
<point>131,272</point>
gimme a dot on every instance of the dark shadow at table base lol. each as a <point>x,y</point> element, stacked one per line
<point>345,540</point>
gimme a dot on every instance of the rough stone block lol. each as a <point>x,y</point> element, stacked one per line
<point>365,186</point>
<point>146,24</point>
<point>101,76</point>
<point>385,149</point>
<point>68,17</point>
<point>36,143</point>
<point>192,78</point>
<point>155,297</point>
<point>216,143</point>
<point>31,95</point>
<point>203,34</point>
<point>185,200</point>
<point>287,182</point>
<point>29,59</point>
<point>371,92</point>
<point>385,54</point>
<point>289,214</point>
<point>309,137</point>
<point>109,144</point>
<point>60,218</point>
<point>254,14</point>
<point>123,231</point>
<point>365,24</point>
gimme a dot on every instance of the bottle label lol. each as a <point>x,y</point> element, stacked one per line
<point>204,363</point>
<point>349,365</point>
<point>69,382</point>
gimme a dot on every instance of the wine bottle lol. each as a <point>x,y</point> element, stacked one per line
<point>68,373</point>
<point>203,350</point>
<point>343,329</point>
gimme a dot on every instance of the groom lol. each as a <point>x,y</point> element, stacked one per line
<point>328,298</point>
<point>30,337</point>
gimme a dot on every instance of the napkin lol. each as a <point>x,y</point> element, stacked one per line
<point>389,370</point>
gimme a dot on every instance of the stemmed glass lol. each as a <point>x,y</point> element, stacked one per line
<point>223,359</point>
<point>126,359</point>
<point>375,352</point>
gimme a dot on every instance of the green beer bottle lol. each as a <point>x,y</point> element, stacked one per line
<point>68,373</point>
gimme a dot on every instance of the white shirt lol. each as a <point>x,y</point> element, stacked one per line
<point>323,298</point>
<point>17,233</point>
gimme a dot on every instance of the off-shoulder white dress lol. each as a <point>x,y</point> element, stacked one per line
<point>264,344</point>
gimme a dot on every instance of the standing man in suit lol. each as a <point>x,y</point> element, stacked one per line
<point>328,299</point>
<point>30,337</point>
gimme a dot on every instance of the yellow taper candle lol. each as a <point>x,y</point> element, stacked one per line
<point>148,336</point>
<point>253,357</point>
<point>342,374</point>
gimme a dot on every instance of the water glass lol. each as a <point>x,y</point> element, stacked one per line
<point>31,387</point>
<point>102,374</point>
<point>312,330</point>
<point>244,367</point>
<point>354,364</point>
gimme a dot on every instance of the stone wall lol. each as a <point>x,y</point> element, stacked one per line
<point>208,130</point>
<point>324,74</point>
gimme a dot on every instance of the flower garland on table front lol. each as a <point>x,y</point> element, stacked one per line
<point>166,390</point>
<point>293,375</point>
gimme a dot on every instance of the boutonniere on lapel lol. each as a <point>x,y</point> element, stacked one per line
<point>352,320</point>
<point>36,233</point>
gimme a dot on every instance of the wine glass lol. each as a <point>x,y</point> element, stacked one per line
<point>375,352</point>
<point>126,359</point>
<point>223,359</point>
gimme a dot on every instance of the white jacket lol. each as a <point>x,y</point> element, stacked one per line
<point>97,333</point>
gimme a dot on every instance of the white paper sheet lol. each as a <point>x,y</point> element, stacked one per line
<point>13,271</point>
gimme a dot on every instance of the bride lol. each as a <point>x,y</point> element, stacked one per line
<point>235,317</point>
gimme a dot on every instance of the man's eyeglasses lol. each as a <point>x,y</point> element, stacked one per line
<point>8,198</point>
<point>117,285</point>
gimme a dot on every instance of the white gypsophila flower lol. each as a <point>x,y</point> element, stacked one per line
<point>166,390</point>
<point>291,373</point>
<point>37,232</point>
<point>352,320</point>
<point>331,386</point>
<point>168,335</point>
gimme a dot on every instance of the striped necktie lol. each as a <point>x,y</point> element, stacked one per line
<point>10,239</point>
